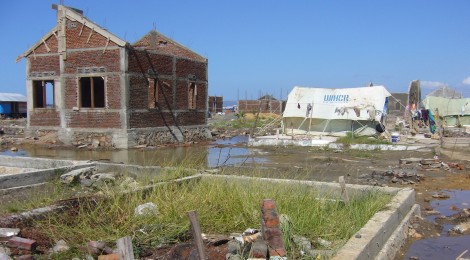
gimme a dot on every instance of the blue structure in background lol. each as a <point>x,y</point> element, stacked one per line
<point>13,105</point>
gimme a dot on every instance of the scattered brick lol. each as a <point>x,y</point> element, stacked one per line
<point>270,226</point>
<point>22,243</point>
<point>109,257</point>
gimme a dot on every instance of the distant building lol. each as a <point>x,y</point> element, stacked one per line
<point>265,104</point>
<point>215,104</point>
<point>397,103</point>
<point>13,105</point>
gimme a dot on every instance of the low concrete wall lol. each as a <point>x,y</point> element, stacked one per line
<point>36,163</point>
<point>47,170</point>
<point>456,143</point>
<point>330,145</point>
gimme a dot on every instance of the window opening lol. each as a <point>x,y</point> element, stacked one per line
<point>192,95</point>
<point>43,94</point>
<point>154,85</point>
<point>397,106</point>
<point>92,92</point>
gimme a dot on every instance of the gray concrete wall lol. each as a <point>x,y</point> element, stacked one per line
<point>34,177</point>
<point>37,163</point>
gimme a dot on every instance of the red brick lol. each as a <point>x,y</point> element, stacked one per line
<point>269,233</point>
<point>22,243</point>
<point>268,204</point>
<point>109,257</point>
<point>271,222</point>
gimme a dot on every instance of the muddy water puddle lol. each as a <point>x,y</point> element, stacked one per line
<point>227,152</point>
<point>446,246</point>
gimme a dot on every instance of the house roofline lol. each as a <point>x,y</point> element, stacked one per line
<point>43,39</point>
<point>175,42</point>
<point>72,14</point>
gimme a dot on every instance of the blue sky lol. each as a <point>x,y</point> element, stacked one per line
<point>268,47</point>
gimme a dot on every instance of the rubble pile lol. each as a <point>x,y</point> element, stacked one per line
<point>392,176</point>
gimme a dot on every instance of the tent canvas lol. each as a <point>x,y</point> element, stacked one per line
<point>335,110</point>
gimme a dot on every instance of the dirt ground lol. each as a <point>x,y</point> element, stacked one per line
<point>381,168</point>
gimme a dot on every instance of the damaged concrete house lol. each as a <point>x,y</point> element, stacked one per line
<point>88,85</point>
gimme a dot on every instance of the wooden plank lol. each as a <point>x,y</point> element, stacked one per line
<point>344,192</point>
<point>124,247</point>
<point>81,29</point>
<point>197,234</point>
<point>89,36</point>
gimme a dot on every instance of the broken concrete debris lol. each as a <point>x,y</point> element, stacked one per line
<point>75,176</point>
<point>6,233</point>
<point>146,209</point>
<point>440,195</point>
<point>394,176</point>
<point>88,177</point>
<point>60,246</point>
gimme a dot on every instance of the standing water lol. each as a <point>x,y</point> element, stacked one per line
<point>447,245</point>
<point>227,152</point>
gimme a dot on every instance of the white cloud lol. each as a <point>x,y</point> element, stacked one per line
<point>466,81</point>
<point>433,84</point>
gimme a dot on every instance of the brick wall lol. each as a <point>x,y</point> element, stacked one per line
<point>182,95</point>
<point>215,104</point>
<point>264,106</point>
<point>152,118</point>
<point>162,44</point>
<point>155,118</point>
<point>140,61</point>
<point>71,88</point>
<point>93,119</point>
<point>113,92</point>
<point>75,40</point>
<point>143,61</point>
<point>185,67</point>
<point>44,117</point>
<point>51,42</point>
<point>191,118</point>
<point>44,63</point>
<point>110,60</point>
<point>138,92</point>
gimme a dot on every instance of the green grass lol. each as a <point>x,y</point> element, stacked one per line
<point>244,121</point>
<point>37,197</point>
<point>54,191</point>
<point>223,206</point>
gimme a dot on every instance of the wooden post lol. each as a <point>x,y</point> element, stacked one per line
<point>197,234</point>
<point>256,120</point>
<point>124,247</point>
<point>344,192</point>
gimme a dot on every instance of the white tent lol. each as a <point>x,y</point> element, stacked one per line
<point>335,110</point>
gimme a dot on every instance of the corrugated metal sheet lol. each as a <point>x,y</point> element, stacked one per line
<point>12,97</point>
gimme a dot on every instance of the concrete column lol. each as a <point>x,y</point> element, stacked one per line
<point>29,93</point>
<point>121,137</point>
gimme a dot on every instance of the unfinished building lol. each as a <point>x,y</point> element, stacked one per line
<point>88,85</point>
<point>265,104</point>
